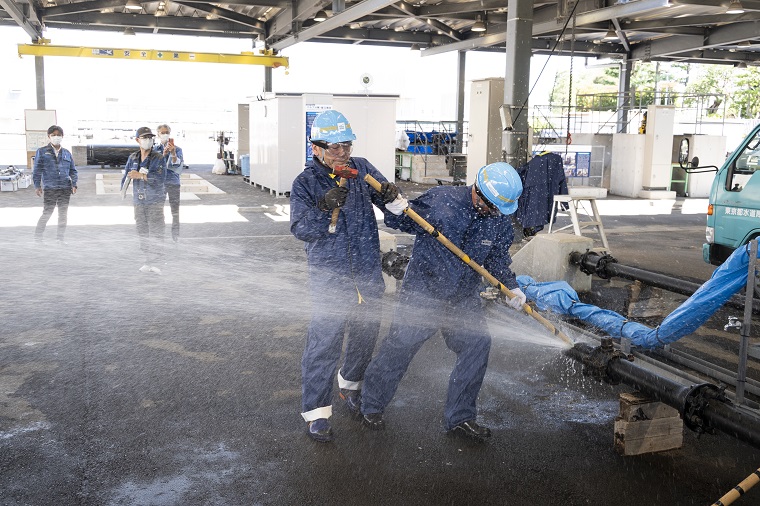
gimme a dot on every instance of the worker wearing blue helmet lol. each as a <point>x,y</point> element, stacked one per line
<point>440,292</point>
<point>345,275</point>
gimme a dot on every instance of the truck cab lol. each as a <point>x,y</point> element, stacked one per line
<point>733,216</point>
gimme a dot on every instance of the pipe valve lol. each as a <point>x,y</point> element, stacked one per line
<point>733,323</point>
<point>595,364</point>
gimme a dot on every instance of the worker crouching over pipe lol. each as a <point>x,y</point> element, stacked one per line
<point>441,292</point>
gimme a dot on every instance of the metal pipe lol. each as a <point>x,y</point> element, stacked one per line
<point>741,374</point>
<point>109,154</point>
<point>607,267</point>
<point>703,408</point>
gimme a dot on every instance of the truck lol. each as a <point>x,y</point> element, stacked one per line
<point>733,214</point>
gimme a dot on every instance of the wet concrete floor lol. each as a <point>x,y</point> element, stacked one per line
<point>120,388</point>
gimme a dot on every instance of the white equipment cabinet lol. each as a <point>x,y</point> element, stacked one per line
<point>485,131</point>
<point>280,126</point>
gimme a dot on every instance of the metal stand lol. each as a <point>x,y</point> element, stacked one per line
<point>573,202</point>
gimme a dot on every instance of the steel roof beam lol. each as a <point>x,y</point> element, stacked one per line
<point>351,14</point>
<point>151,22</point>
<point>250,3</point>
<point>163,30</point>
<point>445,9</point>
<point>546,24</point>
<point>16,12</point>
<point>77,7</point>
<point>686,21</point>
<point>721,36</point>
<point>748,5</point>
<point>287,20</point>
<point>227,14</point>
<point>445,29</point>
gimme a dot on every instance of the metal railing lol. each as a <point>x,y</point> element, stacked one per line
<point>607,113</point>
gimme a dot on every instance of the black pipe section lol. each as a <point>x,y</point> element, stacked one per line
<point>704,408</point>
<point>110,154</point>
<point>605,266</point>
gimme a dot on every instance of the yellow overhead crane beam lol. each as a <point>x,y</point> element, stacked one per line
<point>265,57</point>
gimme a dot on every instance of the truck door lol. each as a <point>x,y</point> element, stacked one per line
<point>737,205</point>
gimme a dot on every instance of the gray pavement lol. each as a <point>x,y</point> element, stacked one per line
<point>120,388</point>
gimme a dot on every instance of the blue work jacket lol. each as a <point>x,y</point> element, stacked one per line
<point>54,173</point>
<point>152,191</point>
<point>351,256</point>
<point>435,271</point>
<point>543,177</point>
<point>172,175</point>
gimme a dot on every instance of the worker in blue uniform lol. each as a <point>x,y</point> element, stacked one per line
<point>146,170</point>
<point>174,163</point>
<point>440,292</point>
<point>345,275</point>
<point>55,179</point>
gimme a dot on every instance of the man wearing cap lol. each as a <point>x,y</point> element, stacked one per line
<point>146,170</point>
<point>440,292</point>
<point>55,179</point>
<point>345,275</point>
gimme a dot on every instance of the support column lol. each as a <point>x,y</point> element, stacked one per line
<point>517,82</point>
<point>625,100</point>
<point>461,64</point>
<point>267,79</point>
<point>39,73</point>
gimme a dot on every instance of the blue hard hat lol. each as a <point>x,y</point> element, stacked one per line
<point>331,127</point>
<point>500,183</point>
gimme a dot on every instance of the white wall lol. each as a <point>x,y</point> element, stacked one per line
<point>373,120</point>
<point>711,150</point>
<point>627,164</point>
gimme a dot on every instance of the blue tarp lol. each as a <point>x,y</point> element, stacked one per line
<point>726,280</point>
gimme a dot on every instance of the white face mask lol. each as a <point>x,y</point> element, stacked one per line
<point>55,140</point>
<point>163,137</point>
<point>146,143</point>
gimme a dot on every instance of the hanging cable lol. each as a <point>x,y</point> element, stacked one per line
<point>568,139</point>
<point>551,53</point>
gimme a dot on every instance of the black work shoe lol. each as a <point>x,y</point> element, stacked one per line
<point>319,430</point>
<point>471,429</point>
<point>353,400</point>
<point>373,421</point>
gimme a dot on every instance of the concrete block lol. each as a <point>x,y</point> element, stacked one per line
<point>79,153</point>
<point>388,243</point>
<point>428,166</point>
<point>547,258</point>
<point>589,192</point>
<point>657,195</point>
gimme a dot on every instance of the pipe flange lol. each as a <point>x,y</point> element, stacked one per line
<point>601,265</point>
<point>582,263</point>
<point>696,401</point>
<point>596,363</point>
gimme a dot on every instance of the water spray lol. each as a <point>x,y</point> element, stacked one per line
<point>374,183</point>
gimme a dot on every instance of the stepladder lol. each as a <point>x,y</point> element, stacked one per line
<point>589,211</point>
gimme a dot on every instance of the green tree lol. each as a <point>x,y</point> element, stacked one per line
<point>746,96</point>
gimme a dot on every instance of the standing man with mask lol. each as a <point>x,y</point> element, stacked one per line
<point>440,292</point>
<point>55,179</point>
<point>345,274</point>
<point>147,171</point>
<point>173,159</point>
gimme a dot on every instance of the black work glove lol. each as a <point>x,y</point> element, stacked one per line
<point>334,198</point>
<point>389,191</point>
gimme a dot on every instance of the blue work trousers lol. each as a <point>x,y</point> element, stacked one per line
<point>335,317</point>
<point>416,320</point>
<point>150,229</point>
